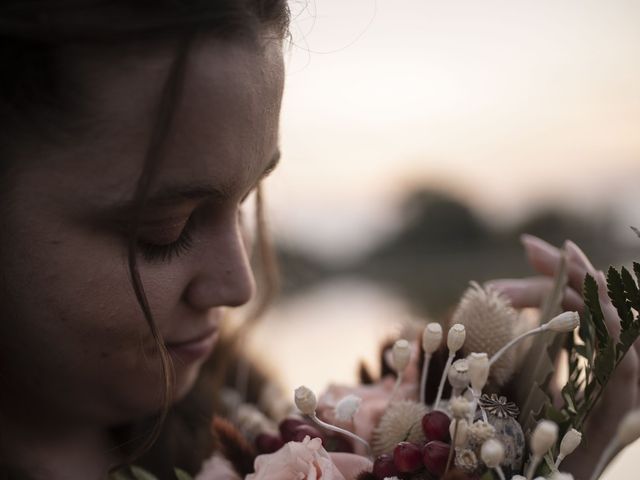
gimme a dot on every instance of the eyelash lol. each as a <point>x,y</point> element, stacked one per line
<point>154,253</point>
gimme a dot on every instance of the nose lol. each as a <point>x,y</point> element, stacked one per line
<point>222,274</point>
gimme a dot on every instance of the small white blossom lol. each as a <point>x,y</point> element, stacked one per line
<point>570,442</point>
<point>347,407</point>
<point>478,370</point>
<point>305,400</point>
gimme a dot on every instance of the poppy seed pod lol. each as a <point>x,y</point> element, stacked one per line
<point>459,374</point>
<point>401,354</point>
<point>492,453</point>
<point>461,434</point>
<point>456,337</point>
<point>563,323</point>
<point>478,370</point>
<point>431,337</point>
<point>543,438</point>
<point>305,400</point>
<point>570,442</point>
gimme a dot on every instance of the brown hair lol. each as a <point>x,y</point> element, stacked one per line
<point>31,91</point>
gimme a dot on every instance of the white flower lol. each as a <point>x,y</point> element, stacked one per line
<point>305,400</point>
<point>456,337</point>
<point>629,428</point>
<point>478,370</point>
<point>570,442</point>
<point>561,476</point>
<point>431,337</point>
<point>544,437</point>
<point>347,407</point>
<point>401,355</point>
<point>563,323</point>
<point>492,453</point>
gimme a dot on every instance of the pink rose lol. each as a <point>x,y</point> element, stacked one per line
<point>305,460</point>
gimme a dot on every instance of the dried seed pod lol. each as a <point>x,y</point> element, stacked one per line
<point>401,421</point>
<point>490,323</point>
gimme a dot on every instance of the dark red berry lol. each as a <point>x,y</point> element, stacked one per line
<point>384,467</point>
<point>268,443</point>
<point>435,426</point>
<point>407,457</point>
<point>434,457</point>
<point>302,431</point>
<point>287,427</point>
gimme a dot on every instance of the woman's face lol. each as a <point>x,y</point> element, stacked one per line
<point>73,340</point>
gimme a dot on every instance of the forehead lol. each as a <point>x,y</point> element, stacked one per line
<point>223,129</point>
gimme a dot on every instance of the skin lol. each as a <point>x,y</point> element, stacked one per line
<point>76,355</point>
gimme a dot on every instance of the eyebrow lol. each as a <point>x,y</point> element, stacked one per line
<point>195,191</point>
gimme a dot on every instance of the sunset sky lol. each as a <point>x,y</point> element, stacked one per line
<point>507,104</point>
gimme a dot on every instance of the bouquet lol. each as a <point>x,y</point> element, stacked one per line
<point>472,400</point>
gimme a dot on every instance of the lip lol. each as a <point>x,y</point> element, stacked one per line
<point>196,348</point>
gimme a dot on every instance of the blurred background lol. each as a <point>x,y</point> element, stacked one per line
<point>420,138</point>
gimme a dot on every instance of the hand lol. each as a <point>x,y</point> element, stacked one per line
<point>621,393</point>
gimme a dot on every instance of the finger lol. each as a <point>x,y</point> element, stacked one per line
<point>531,292</point>
<point>545,259</point>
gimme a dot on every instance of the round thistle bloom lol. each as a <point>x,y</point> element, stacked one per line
<point>629,428</point>
<point>478,370</point>
<point>401,354</point>
<point>431,337</point>
<point>490,322</point>
<point>544,437</point>
<point>492,453</point>
<point>570,442</point>
<point>564,323</point>
<point>305,400</point>
<point>401,421</point>
<point>456,337</point>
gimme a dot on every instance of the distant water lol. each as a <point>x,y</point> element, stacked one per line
<point>320,337</point>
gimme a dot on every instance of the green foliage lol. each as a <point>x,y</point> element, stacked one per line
<point>596,355</point>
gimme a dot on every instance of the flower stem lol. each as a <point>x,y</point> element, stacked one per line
<point>349,434</point>
<point>423,378</point>
<point>452,447</point>
<point>500,473</point>
<point>500,352</point>
<point>535,461</point>
<point>443,378</point>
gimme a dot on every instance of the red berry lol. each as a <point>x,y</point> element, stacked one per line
<point>288,425</point>
<point>302,431</point>
<point>384,467</point>
<point>435,426</point>
<point>435,456</point>
<point>268,443</point>
<point>407,457</point>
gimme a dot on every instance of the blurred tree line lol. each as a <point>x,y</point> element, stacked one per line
<point>444,244</point>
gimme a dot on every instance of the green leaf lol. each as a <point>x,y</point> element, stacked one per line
<point>182,475</point>
<point>631,289</point>
<point>618,297</point>
<point>593,303</point>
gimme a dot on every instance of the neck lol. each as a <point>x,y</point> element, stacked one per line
<point>57,452</point>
